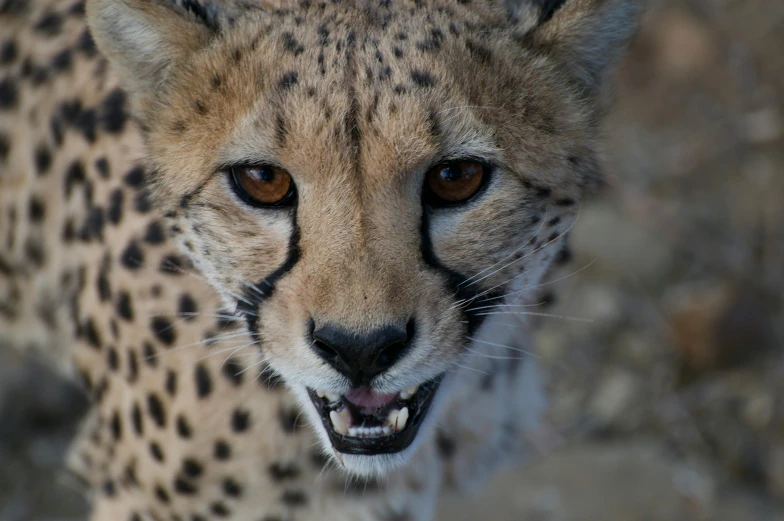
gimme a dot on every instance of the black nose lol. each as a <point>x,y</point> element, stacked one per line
<point>360,358</point>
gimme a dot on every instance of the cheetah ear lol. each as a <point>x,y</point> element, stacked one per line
<point>144,38</point>
<point>587,36</point>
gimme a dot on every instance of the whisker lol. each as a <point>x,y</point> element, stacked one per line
<point>529,353</point>
<point>535,314</point>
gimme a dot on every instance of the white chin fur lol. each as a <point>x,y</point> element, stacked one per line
<point>370,466</point>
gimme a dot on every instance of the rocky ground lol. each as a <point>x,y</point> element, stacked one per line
<point>665,355</point>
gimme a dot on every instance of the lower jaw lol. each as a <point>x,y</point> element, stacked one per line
<point>394,443</point>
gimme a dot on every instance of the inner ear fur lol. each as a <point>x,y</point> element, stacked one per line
<point>588,37</point>
<point>143,39</point>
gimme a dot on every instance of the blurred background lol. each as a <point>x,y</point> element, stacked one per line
<point>665,353</point>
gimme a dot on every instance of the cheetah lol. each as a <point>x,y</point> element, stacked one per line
<point>287,246</point>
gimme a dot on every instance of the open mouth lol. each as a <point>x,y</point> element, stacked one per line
<point>365,422</point>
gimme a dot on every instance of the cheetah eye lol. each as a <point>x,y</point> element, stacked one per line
<point>454,182</point>
<point>263,185</point>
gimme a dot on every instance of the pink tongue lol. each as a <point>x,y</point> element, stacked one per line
<point>366,397</point>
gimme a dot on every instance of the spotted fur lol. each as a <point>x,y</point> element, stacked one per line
<point>127,258</point>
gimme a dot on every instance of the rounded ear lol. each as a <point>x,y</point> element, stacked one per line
<point>144,38</point>
<point>587,36</point>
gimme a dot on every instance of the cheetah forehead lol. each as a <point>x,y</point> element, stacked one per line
<point>386,88</point>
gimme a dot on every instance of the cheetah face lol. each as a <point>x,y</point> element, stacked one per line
<point>368,187</point>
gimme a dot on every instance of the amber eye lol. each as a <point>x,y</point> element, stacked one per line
<point>263,185</point>
<point>454,182</point>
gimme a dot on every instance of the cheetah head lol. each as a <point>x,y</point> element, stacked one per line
<point>368,184</point>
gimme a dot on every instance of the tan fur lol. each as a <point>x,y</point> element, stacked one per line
<point>356,100</point>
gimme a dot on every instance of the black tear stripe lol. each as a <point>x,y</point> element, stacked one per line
<point>457,282</point>
<point>255,296</point>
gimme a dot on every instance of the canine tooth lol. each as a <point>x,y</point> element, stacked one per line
<point>320,394</point>
<point>408,392</point>
<point>332,397</point>
<point>340,421</point>
<point>402,418</point>
<point>392,417</point>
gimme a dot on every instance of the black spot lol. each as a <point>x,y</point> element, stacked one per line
<point>233,371</point>
<point>183,487</point>
<point>133,256</point>
<point>163,330</point>
<point>280,472</point>
<point>49,24</point>
<point>136,419</point>
<point>288,80</point>
<point>102,166</point>
<point>565,202</point>
<point>91,333</point>
<point>75,174</point>
<point>192,468</point>
<point>432,43</point>
<point>172,265</point>
<point>112,359</point>
<point>36,211</point>
<point>5,146</point>
<point>479,52</point>
<point>555,220</point>
<point>543,192</point>
<point>142,203</point>
<point>219,509</point>
<point>184,429</point>
<point>43,159</point>
<point>171,382</point>
<point>288,419</point>
<point>8,52</point>
<point>134,177</point>
<point>222,450</point>
<point>187,306</point>
<point>161,494</point>
<point>269,379</point>
<point>445,445</point>
<point>422,79</point>
<point>150,354</point>
<point>114,213</point>
<point>86,122</point>
<point>113,114</point>
<point>93,224</point>
<point>200,108</point>
<point>155,233</point>
<point>61,61</point>
<point>398,52</point>
<point>232,488</point>
<point>564,256</point>
<point>203,381</point>
<point>133,365</point>
<point>104,289</point>
<point>86,44</point>
<point>240,420</point>
<point>156,409</point>
<point>115,425</point>
<point>290,44</point>
<point>294,498</point>
<point>547,8</point>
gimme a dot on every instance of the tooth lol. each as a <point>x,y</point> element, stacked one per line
<point>392,417</point>
<point>340,421</point>
<point>402,418</point>
<point>320,394</point>
<point>408,392</point>
<point>387,430</point>
<point>332,397</point>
